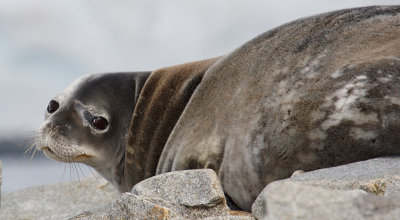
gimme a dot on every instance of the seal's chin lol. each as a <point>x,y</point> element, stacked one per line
<point>75,159</point>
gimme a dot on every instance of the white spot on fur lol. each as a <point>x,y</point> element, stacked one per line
<point>361,77</point>
<point>284,125</point>
<point>345,108</point>
<point>287,102</point>
<point>393,100</point>
<point>309,69</point>
<point>317,115</point>
<point>298,84</point>
<point>359,133</point>
<point>282,87</point>
<point>305,69</point>
<point>391,57</point>
<point>386,79</point>
<point>285,98</point>
<point>317,134</point>
<point>337,74</point>
<point>311,75</point>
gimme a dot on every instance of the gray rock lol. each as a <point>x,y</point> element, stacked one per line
<point>258,209</point>
<point>231,217</point>
<point>380,176</point>
<point>133,206</point>
<point>189,194</point>
<point>129,206</point>
<point>58,201</point>
<point>191,188</point>
<point>291,200</point>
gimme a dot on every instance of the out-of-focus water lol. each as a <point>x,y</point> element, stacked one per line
<point>19,173</point>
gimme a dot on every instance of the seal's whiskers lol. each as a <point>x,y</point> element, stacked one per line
<point>31,148</point>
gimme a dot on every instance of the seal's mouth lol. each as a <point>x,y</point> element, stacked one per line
<point>52,155</point>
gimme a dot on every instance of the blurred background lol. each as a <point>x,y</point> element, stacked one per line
<point>46,44</point>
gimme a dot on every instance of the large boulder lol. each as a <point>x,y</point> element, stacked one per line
<point>363,190</point>
<point>379,176</point>
<point>190,188</point>
<point>290,200</point>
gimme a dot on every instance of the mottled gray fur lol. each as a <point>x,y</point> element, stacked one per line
<point>318,92</point>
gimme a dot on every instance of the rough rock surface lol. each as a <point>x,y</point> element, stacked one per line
<point>129,206</point>
<point>191,188</point>
<point>338,192</point>
<point>380,176</point>
<point>175,195</point>
<point>58,201</point>
<point>290,200</point>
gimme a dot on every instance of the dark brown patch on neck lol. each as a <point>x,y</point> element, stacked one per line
<point>161,102</point>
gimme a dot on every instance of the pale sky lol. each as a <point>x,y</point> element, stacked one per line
<point>46,44</point>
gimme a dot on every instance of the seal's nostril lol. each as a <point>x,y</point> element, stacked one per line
<point>53,106</point>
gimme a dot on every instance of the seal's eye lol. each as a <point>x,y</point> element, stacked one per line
<point>53,106</point>
<point>100,122</point>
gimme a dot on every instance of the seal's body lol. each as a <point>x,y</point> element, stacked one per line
<point>314,93</point>
<point>318,92</point>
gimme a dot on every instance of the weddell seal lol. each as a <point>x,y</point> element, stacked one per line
<point>317,92</point>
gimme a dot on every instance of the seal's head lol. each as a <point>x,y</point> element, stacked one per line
<point>89,120</point>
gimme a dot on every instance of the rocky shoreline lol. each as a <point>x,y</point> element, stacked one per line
<point>363,190</point>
